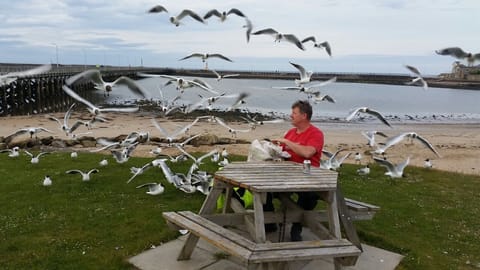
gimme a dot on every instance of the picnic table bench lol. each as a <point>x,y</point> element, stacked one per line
<point>255,251</point>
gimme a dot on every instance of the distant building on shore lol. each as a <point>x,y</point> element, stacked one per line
<point>462,72</point>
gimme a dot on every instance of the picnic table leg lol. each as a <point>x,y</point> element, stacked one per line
<point>208,207</point>
<point>260,236</point>
<point>333,219</point>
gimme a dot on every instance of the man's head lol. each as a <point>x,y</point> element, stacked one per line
<point>301,112</point>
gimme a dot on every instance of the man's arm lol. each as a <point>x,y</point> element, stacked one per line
<point>305,151</point>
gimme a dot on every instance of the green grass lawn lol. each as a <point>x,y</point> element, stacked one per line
<point>431,217</point>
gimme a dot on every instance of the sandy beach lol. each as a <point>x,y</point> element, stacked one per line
<point>458,144</point>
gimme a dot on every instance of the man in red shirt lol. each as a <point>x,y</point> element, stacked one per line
<point>303,142</point>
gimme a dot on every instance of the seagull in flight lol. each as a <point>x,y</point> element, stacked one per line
<point>394,170</point>
<point>8,78</point>
<point>320,45</point>
<point>370,135</point>
<point>394,140</point>
<point>458,53</point>
<point>137,171</point>
<point>186,12</point>
<point>92,108</point>
<point>153,188</point>
<point>30,130</point>
<point>95,76</point>
<point>85,175</point>
<point>279,36</point>
<point>305,75</point>
<point>220,77</point>
<point>230,129</point>
<point>223,15</point>
<point>249,26</point>
<point>358,110</point>
<point>418,77</point>
<point>205,56</point>
<point>157,9</point>
<point>170,137</point>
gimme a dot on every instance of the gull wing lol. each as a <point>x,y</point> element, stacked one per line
<point>327,82</point>
<point>42,153</point>
<point>188,12</point>
<point>30,72</point>
<point>211,13</point>
<point>310,38</point>
<point>190,56</point>
<point>353,112</point>
<point>74,172</point>
<point>293,39</point>
<point>161,129</point>
<point>157,9</point>
<point>249,27</point>
<point>78,98</point>
<point>129,109</point>
<point>28,153</point>
<point>236,12</point>
<point>427,144</point>
<point>378,115</point>
<point>132,85</point>
<point>301,69</point>
<point>90,75</point>
<point>186,153</point>
<point>220,56</point>
<point>207,155</point>
<point>413,69</point>
<point>384,163</point>
<point>92,171</point>
<point>268,31</point>
<point>453,51</point>
<point>400,167</point>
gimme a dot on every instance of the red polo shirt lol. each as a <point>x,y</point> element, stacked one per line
<point>312,136</point>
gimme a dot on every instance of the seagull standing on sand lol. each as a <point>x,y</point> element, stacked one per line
<point>427,164</point>
<point>419,77</point>
<point>279,36</point>
<point>394,171</point>
<point>47,181</point>
<point>153,188</point>
<point>85,175</point>
<point>95,76</point>
<point>356,111</point>
<point>35,159</point>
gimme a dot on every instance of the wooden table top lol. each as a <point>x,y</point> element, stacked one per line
<point>281,176</point>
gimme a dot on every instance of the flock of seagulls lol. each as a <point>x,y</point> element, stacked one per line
<point>194,179</point>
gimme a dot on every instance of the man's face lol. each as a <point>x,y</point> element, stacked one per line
<point>297,117</point>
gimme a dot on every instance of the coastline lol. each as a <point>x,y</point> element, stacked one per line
<point>457,143</point>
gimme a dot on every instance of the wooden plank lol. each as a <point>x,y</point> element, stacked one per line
<point>220,237</point>
<point>347,223</point>
<point>355,203</point>
<point>260,236</point>
<point>303,244</point>
<point>303,254</point>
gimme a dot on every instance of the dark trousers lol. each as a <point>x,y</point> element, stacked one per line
<point>306,200</point>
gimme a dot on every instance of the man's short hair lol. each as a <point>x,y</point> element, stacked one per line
<point>304,107</point>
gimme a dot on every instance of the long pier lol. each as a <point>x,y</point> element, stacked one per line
<point>43,93</point>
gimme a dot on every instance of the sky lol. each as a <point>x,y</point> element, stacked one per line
<point>369,36</point>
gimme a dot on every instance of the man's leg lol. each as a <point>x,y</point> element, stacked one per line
<point>268,207</point>
<point>307,201</point>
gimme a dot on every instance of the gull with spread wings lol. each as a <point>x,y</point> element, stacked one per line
<point>279,37</point>
<point>320,45</point>
<point>13,76</point>
<point>358,110</point>
<point>394,170</point>
<point>418,77</point>
<point>95,76</point>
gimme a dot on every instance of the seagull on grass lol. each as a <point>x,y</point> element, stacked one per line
<point>47,181</point>
<point>358,110</point>
<point>14,152</point>
<point>85,175</point>
<point>95,76</point>
<point>153,188</point>
<point>394,170</point>
<point>92,108</point>
<point>364,171</point>
<point>35,159</point>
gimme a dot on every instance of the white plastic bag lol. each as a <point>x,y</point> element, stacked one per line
<point>265,150</point>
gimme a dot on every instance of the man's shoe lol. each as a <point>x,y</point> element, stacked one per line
<point>296,232</point>
<point>270,227</point>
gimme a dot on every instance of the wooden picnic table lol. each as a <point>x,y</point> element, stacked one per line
<point>282,178</point>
